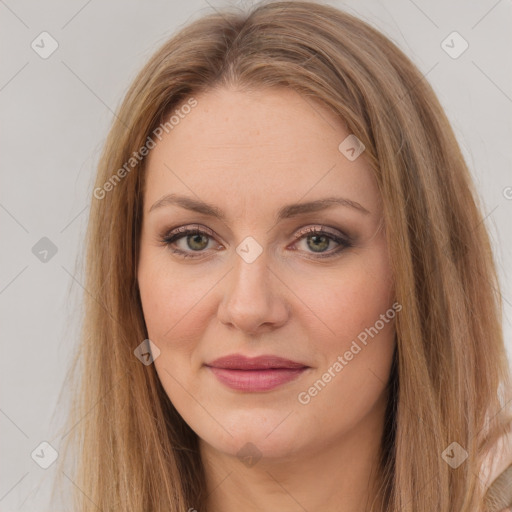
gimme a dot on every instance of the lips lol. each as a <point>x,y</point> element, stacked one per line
<point>254,374</point>
<point>239,362</point>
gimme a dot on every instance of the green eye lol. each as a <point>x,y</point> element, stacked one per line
<point>317,241</point>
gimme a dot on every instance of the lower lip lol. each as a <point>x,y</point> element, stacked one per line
<point>256,380</point>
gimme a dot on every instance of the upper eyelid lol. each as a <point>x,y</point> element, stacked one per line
<point>191,227</point>
<point>321,228</point>
<point>184,230</point>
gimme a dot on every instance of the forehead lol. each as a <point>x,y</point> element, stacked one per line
<point>259,148</point>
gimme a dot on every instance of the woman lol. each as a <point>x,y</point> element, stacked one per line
<point>292,302</point>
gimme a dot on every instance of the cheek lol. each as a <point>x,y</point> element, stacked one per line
<point>355,366</point>
<point>355,297</point>
<point>175,319</point>
<point>358,307</point>
<point>168,296</point>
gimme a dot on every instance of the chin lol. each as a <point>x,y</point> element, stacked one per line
<point>256,439</point>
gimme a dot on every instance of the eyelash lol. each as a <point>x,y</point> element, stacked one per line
<point>172,237</point>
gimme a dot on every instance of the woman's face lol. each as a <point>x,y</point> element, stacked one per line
<point>257,173</point>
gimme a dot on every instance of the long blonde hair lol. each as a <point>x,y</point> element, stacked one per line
<point>132,450</point>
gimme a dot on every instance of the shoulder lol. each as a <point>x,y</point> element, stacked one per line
<point>496,474</point>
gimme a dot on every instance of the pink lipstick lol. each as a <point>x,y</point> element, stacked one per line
<point>255,374</point>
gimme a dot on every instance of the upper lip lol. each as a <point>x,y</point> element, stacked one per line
<point>265,362</point>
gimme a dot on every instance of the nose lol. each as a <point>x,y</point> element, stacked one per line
<point>254,297</point>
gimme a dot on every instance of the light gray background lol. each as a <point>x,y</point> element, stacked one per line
<point>56,114</point>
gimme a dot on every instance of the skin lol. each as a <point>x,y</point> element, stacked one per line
<point>249,153</point>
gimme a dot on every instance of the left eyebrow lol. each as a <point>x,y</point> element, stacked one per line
<point>293,210</point>
<point>286,212</point>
